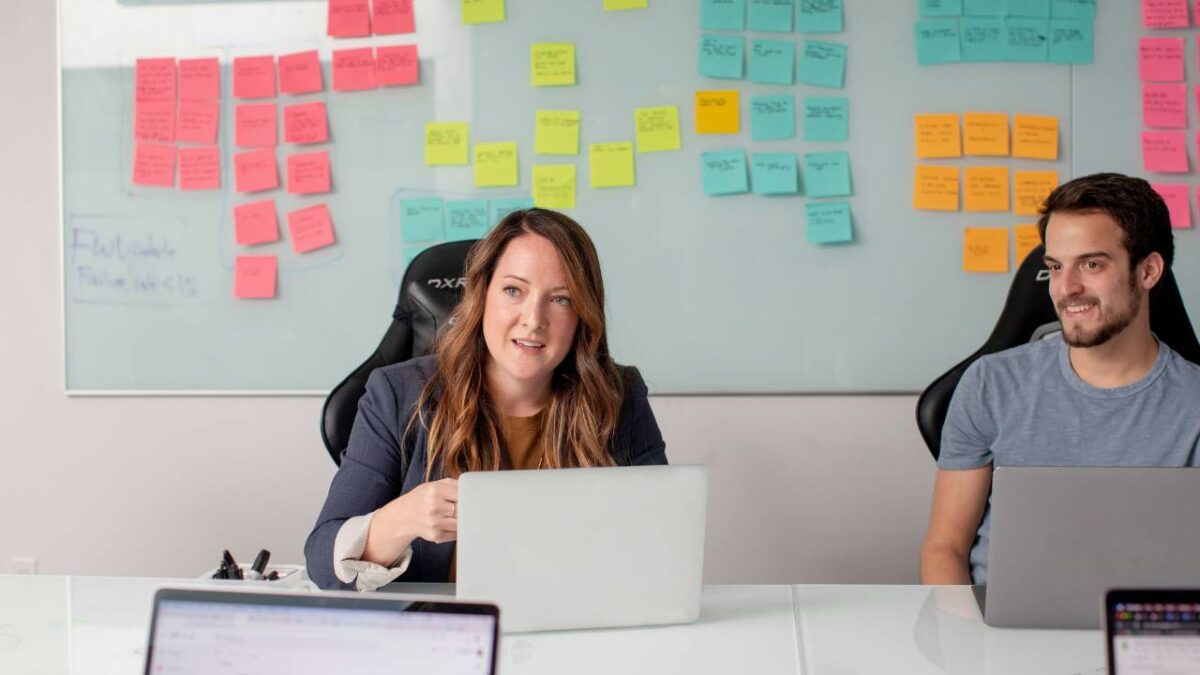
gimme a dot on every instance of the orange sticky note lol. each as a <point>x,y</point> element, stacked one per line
<point>200,168</point>
<point>154,80</point>
<point>1030,189</point>
<point>199,80</point>
<point>308,173</point>
<point>256,126</point>
<point>985,249</point>
<point>154,165</point>
<point>353,69</point>
<point>154,121</point>
<point>255,223</point>
<point>935,188</point>
<point>349,18</point>
<point>254,276</point>
<point>1178,203</point>
<point>937,136</point>
<point>717,112</point>
<point>310,228</point>
<point>390,17</point>
<point>305,123</point>
<point>985,134</point>
<point>1025,239</point>
<point>197,122</point>
<point>396,65</point>
<point>985,188</point>
<point>255,171</point>
<point>254,77</point>
<point>300,73</point>
<point>1035,137</point>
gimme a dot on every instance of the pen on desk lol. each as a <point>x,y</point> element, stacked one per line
<point>234,571</point>
<point>260,563</point>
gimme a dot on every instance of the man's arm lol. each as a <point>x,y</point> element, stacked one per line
<point>959,499</point>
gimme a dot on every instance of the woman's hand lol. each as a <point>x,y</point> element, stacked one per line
<point>429,512</point>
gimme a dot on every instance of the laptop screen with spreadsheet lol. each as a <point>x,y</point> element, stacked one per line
<point>1153,632</point>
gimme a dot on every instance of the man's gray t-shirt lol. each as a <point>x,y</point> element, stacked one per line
<point>1026,407</point>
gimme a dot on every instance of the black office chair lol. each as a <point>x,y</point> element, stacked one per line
<point>432,286</point>
<point>1028,315</point>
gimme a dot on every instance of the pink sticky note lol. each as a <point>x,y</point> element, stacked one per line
<point>154,121</point>
<point>1164,151</point>
<point>256,170</point>
<point>305,123</point>
<point>353,69</point>
<point>256,223</point>
<point>256,127</point>
<point>198,122</point>
<point>154,165</point>
<point>310,228</point>
<point>300,73</point>
<point>254,77</point>
<point>1160,59</point>
<point>1176,196</point>
<point>154,80</point>
<point>396,65</point>
<point>308,173</point>
<point>254,276</point>
<point>199,80</point>
<point>392,16</point>
<point>1165,13</point>
<point>200,168</point>
<point>1164,105</point>
<point>349,18</point>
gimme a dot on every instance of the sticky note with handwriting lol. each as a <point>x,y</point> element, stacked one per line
<point>255,171</point>
<point>985,134</point>
<point>722,56</point>
<point>392,17</point>
<point>985,188</point>
<point>154,165</point>
<point>199,79</point>
<point>553,64</point>
<point>1164,105</point>
<point>154,121</point>
<point>200,168</point>
<point>154,79</point>
<point>556,132</point>
<point>1030,189</point>
<point>723,14</point>
<point>305,123</point>
<point>773,118</point>
<point>774,173</point>
<point>828,222</point>
<point>1178,203</point>
<point>354,69</point>
<point>300,73</point>
<point>254,77</point>
<point>717,112</point>
<point>937,135</point>
<point>197,122</point>
<point>308,173</point>
<point>446,143</point>
<point>554,186</point>
<point>724,172</point>
<point>254,276</point>
<point>255,223</point>
<point>611,164</point>
<point>348,18</point>
<point>1164,151</point>
<point>482,11</point>
<point>255,125</point>
<point>985,249</point>
<point>1035,136</point>
<point>421,219</point>
<point>310,228</point>
<point>657,128</point>
<point>822,64</point>
<point>397,66</point>
<point>1160,59</point>
<point>496,164</point>
<point>935,188</point>
<point>466,219</point>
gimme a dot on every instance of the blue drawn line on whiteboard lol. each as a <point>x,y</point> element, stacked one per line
<point>130,260</point>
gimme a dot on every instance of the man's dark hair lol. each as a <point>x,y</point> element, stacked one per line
<point>1138,209</point>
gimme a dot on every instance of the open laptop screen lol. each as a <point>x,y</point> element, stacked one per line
<point>1153,632</point>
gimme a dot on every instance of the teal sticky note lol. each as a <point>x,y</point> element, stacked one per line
<point>828,222</point>
<point>1070,41</point>
<point>822,64</point>
<point>1028,39</point>
<point>827,174</point>
<point>1039,9</point>
<point>421,219</point>
<point>1073,9</point>
<point>466,219</point>
<point>774,173</point>
<point>721,56</point>
<point>819,16</point>
<point>412,250</point>
<point>826,119</point>
<point>724,172</point>
<point>773,118</point>
<point>771,16</point>
<point>772,61</point>
<point>503,207</point>
<point>983,39</point>
<point>938,42</point>
<point>933,8</point>
<point>985,7</point>
<point>723,14</point>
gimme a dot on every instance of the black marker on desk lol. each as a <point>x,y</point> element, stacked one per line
<point>260,563</point>
<point>234,571</point>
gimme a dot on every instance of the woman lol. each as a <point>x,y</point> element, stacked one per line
<point>521,378</point>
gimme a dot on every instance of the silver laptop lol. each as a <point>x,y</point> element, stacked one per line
<point>584,548</point>
<point>1061,537</point>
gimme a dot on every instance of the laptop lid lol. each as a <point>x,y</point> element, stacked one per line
<point>584,548</point>
<point>210,631</point>
<point>1152,631</point>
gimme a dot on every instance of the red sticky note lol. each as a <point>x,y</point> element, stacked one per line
<point>256,223</point>
<point>200,168</point>
<point>154,121</point>
<point>305,123</point>
<point>1160,59</point>
<point>254,276</point>
<point>310,228</point>
<point>154,165</point>
<point>308,173</point>
<point>300,73</point>
<point>349,18</point>
<point>198,122</point>
<point>1164,151</point>
<point>1164,105</point>
<point>199,80</point>
<point>255,125</point>
<point>154,80</point>
<point>1177,198</point>
<point>254,77</point>
<point>392,16</point>
<point>353,69</point>
<point>396,65</point>
<point>256,171</point>
<point>1164,13</point>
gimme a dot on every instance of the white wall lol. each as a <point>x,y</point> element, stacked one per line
<point>804,489</point>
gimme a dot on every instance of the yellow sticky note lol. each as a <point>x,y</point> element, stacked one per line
<point>985,188</point>
<point>556,132</point>
<point>657,128</point>
<point>938,136</point>
<point>985,249</point>
<point>482,11</point>
<point>614,5</point>
<point>553,64</point>
<point>935,188</point>
<point>611,164</point>
<point>717,112</point>
<point>446,143</point>
<point>985,134</point>
<point>1035,137</point>
<point>1030,189</point>
<point>1025,239</point>
<point>554,186</point>
<point>496,164</point>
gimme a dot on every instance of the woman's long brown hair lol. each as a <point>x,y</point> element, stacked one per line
<point>463,425</point>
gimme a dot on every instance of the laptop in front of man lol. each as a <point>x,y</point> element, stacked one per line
<point>1062,536</point>
<point>584,548</point>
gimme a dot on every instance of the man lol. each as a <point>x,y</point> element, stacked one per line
<point>1109,393</point>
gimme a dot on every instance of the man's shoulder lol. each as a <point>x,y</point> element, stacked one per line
<point>1186,371</point>
<point>1022,362</point>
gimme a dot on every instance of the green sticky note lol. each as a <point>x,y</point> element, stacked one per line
<point>466,219</point>
<point>772,61</point>
<point>1070,41</point>
<point>618,5</point>
<point>827,174</point>
<point>773,118</point>
<point>984,40</point>
<point>928,8</point>
<point>1028,39</point>
<point>723,14</point>
<point>985,7</point>
<point>611,164</point>
<point>822,64</point>
<point>482,11</point>
<point>938,42</point>
<point>412,250</point>
<point>504,206</point>
<point>771,16</point>
<point>721,56</point>
<point>1033,8</point>
<point>819,16</point>
<point>421,219</point>
<point>828,222</point>
<point>1073,9</point>
<point>724,172</point>
<point>826,119</point>
<point>774,173</point>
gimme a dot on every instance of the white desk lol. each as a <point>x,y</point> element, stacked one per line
<point>94,625</point>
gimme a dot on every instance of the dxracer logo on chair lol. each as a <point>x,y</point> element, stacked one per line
<point>447,283</point>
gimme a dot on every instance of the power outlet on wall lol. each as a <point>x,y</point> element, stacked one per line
<point>22,565</point>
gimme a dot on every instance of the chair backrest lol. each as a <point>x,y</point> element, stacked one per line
<point>1028,313</point>
<point>432,286</point>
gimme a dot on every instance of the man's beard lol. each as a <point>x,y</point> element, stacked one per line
<point>1108,329</point>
